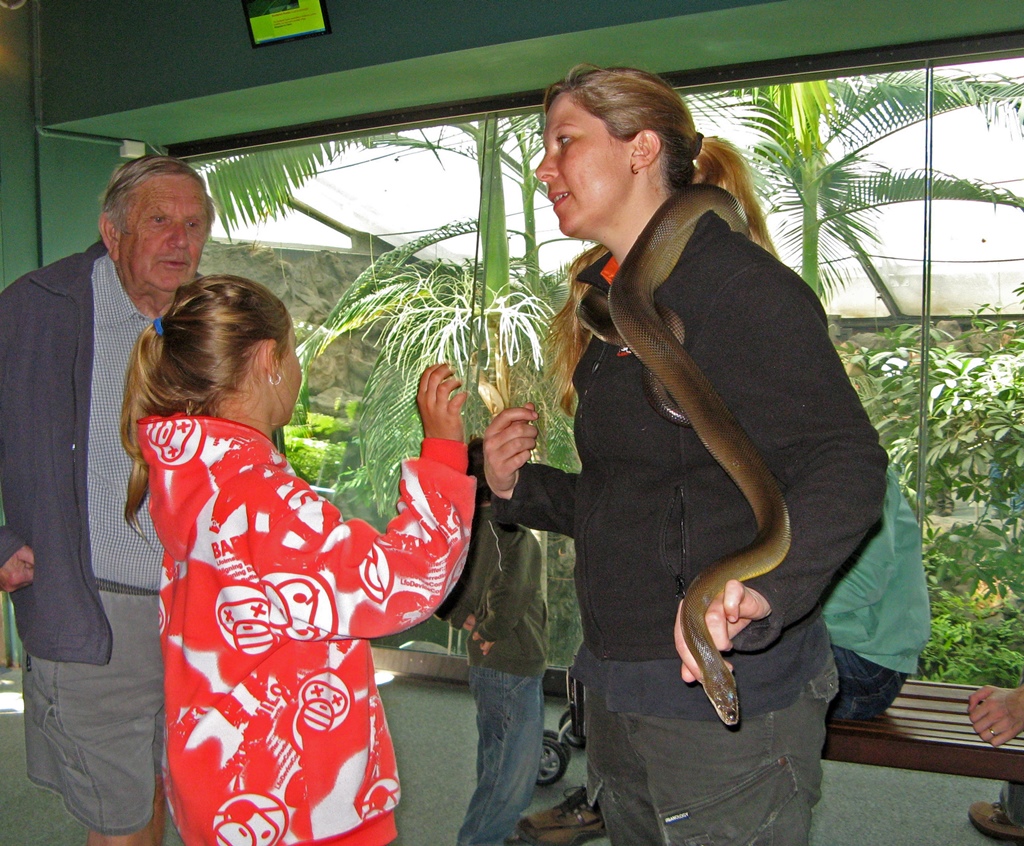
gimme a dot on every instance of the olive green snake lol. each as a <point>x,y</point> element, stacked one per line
<point>678,389</point>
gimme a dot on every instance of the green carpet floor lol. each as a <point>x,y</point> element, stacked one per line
<point>435,736</point>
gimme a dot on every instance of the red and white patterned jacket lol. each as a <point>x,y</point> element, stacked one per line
<point>275,730</point>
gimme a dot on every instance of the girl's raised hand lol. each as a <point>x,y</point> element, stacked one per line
<point>439,406</point>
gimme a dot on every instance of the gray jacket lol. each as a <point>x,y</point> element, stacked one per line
<point>46,355</point>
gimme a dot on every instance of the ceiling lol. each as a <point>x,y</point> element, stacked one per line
<point>226,90</point>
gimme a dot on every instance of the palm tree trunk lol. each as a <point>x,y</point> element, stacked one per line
<point>809,251</point>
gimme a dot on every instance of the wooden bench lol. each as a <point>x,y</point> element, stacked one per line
<point>926,728</point>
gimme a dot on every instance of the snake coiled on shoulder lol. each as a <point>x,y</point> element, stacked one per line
<point>679,390</point>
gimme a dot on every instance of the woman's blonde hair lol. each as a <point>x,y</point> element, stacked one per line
<point>629,101</point>
<point>195,356</point>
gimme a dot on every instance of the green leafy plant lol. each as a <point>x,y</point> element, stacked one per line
<point>977,638</point>
<point>822,184</point>
<point>974,453</point>
<point>324,450</point>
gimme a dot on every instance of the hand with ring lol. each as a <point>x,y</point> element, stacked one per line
<point>996,713</point>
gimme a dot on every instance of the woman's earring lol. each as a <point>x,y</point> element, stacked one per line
<point>634,169</point>
<point>275,379</point>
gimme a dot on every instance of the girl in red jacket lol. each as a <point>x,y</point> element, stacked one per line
<point>275,730</point>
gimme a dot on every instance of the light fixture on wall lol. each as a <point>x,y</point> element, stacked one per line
<point>130,149</point>
<point>12,4</point>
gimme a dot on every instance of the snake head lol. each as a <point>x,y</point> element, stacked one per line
<point>726,702</point>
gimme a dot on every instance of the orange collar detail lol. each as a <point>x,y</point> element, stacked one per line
<point>609,270</point>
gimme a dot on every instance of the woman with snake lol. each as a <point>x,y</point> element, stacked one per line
<point>747,490</point>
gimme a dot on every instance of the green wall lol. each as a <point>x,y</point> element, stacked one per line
<point>158,71</point>
<point>126,55</point>
<point>19,238</point>
<point>73,175</point>
<point>162,72</point>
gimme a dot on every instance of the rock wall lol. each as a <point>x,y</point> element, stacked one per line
<point>309,282</point>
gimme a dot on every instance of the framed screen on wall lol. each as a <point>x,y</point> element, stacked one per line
<point>271,21</point>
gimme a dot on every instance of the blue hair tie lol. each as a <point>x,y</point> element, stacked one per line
<point>158,326</point>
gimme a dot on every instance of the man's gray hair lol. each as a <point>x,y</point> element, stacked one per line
<point>117,198</point>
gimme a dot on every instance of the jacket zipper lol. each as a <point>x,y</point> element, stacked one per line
<point>581,541</point>
<point>684,544</point>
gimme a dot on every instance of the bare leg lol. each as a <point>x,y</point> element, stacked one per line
<point>138,838</point>
<point>151,835</point>
<point>159,813</point>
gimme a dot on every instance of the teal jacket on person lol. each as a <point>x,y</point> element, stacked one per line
<point>878,605</point>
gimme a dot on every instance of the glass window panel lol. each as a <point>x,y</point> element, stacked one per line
<point>369,196</point>
<point>975,448</point>
<point>385,190</point>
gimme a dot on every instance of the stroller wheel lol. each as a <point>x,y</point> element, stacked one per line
<point>565,731</point>
<point>554,759</point>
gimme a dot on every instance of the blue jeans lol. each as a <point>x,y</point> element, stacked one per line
<point>1011,797</point>
<point>510,722</point>
<point>666,781</point>
<point>865,688</point>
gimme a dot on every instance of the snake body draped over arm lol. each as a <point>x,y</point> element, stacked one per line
<point>681,392</point>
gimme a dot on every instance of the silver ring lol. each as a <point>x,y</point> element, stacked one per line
<point>992,732</point>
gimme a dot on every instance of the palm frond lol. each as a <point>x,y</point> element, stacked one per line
<point>883,188</point>
<point>255,186</point>
<point>377,275</point>
<point>872,109</point>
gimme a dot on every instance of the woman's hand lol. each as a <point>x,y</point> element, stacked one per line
<point>441,409</point>
<point>997,713</point>
<point>728,614</point>
<point>508,442</point>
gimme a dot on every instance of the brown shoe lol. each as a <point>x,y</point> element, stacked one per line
<point>569,823</point>
<point>990,819</point>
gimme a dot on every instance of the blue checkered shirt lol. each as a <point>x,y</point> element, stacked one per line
<point>122,559</point>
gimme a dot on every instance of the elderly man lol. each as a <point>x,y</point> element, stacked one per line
<point>84,584</point>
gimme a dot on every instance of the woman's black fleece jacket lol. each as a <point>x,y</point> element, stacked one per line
<point>651,504</point>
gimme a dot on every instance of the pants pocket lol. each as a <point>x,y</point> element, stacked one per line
<point>744,813</point>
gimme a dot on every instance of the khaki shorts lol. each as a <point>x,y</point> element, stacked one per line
<point>94,735</point>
